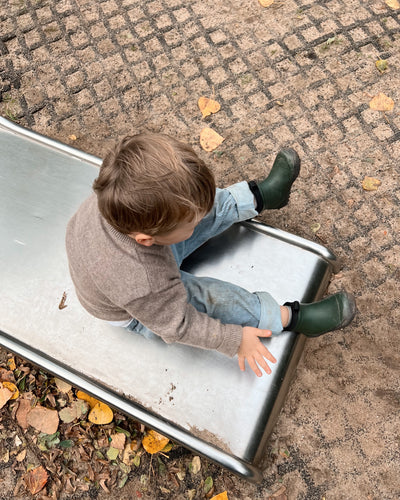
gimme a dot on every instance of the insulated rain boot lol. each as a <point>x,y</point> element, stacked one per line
<point>317,318</point>
<point>274,191</point>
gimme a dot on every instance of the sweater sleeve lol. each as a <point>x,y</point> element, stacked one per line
<point>169,315</point>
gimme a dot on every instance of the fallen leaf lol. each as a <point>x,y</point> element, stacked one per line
<point>75,410</point>
<point>381,65</point>
<point>43,419</point>
<point>208,106</point>
<point>154,442</point>
<point>112,453</point>
<point>36,479</point>
<point>24,407</point>
<point>118,441</point>
<point>381,102</point>
<point>209,139</point>
<point>47,441</point>
<point>370,183</point>
<point>266,3</point>
<point>100,414</point>
<point>6,375</point>
<point>221,496</point>
<point>393,4</point>
<point>5,456</point>
<point>21,456</point>
<point>13,388</point>
<point>11,364</point>
<point>62,386</point>
<point>208,484</point>
<point>315,227</point>
<point>196,465</point>
<point>72,137</point>
<point>5,395</point>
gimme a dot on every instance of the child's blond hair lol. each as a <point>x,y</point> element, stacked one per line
<point>151,182</point>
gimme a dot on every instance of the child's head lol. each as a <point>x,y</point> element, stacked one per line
<point>150,183</point>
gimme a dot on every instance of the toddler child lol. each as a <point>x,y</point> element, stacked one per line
<point>154,203</point>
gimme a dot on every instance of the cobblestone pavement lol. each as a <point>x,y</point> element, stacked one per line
<point>299,73</point>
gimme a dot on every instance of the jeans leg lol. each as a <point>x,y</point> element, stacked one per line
<point>232,304</point>
<point>233,204</point>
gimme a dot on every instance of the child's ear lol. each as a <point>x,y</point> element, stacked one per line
<point>143,239</point>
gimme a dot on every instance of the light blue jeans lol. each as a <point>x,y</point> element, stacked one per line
<point>225,301</point>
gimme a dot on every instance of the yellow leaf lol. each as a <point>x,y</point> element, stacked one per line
<point>208,106</point>
<point>209,139</point>
<point>381,65</point>
<point>13,388</point>
<point>371,184</point>
<point>11,364</point>
<point>89,399</point>
<point>5,395</point>
<point>393,4</point>
<point>221,496</point>
<point>100,414</point>
<point>154,442</point>
<point>266,3</point>
<point>381,102</point>
<point>72,137</point>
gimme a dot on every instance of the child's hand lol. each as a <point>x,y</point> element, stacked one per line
<point>252,349</point>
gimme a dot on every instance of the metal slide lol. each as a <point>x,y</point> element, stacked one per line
<point>197,398</point>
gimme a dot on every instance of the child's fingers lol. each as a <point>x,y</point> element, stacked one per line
<point>241,363</point>
<point>262,363</point>
<point>266,353</point>
<point>253,365</point>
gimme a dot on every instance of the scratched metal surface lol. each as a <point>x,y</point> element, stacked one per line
<point>196,397</point>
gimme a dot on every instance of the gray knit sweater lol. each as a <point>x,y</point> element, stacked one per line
<point>116,279</point>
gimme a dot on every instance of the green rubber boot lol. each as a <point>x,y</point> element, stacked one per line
<point>317,318</point>
<point>274,191</point>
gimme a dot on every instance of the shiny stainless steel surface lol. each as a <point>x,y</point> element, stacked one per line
<point>196,397</point>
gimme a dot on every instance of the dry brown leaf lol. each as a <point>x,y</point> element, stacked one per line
<point>393,4</point>
<point>36,479</point>
<point>118,440</point>
<point>266,3</point>
<point>100,414</point>
<point>6,375</point>
<point>43,419</point>
<point>13,388</point>
<point>209,139</point>
<point>208,106</point>
<point>5,395</point>
<point>24,407</point>
<point>75,410</point>
<point>370,183</point>
<point>21,456</point>
<point>381,102</point>
<point>154,442</point>
<point>62,386</point>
